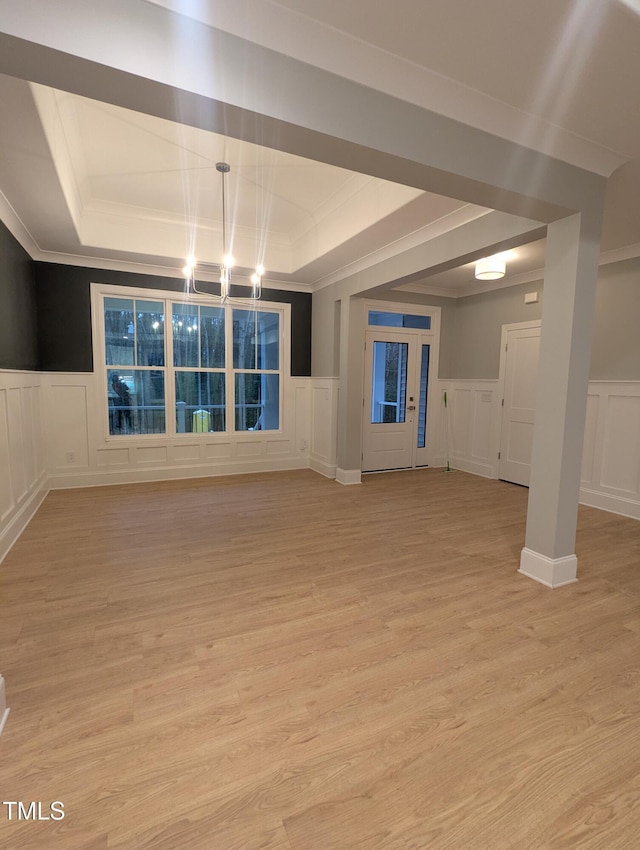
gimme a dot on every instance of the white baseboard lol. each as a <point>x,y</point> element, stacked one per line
<point>321,466</point>
<point>476,467</point>
<point>611,503</point>
<point>4,711</point>
<point>137,475</point>
<point>22,518</point>
<point>348,476</point>
<point>552,572</point>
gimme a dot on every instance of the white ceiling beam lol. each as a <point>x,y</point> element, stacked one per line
<point>143,57</point>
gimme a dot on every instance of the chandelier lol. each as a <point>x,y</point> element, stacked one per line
<point>227,262</point>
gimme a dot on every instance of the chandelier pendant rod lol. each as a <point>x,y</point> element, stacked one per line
<point>225,269</point>
<point>226,264</point>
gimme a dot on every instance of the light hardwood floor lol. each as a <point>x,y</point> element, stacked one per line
<point>277,662</point>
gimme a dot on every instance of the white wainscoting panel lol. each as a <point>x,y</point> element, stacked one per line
<point>323,425</point>
<point>7,498</point>
<point>611,457</point>
<point>81,454</point>
<point>151,454</point>
<point>23,479</point>
<point>112,457</point>
<point>217,451</point>
<point>185,453</point>
<point>622,428</point>
<point>16,417</point>
<point>67,427</point>
<point>469,422</point>
<point>590,441</point>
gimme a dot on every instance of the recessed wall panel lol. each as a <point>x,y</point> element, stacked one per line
<point>183,453</point>
<point>113,457</point>
<point>217,451</point>
<point>66,422</point>
<point>278,447</point>
<point>590,432</point>
<point>481,432</point>
<point>151,454</point>
<point>621,450</point>
<point>17,446</point>
<point>249,449</point>
<point>6,493</point>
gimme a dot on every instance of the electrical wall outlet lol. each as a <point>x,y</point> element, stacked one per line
<point>71,457</point>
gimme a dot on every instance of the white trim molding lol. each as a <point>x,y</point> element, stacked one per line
<point>552,572</point>
<point>323,402</point>
<point>348,476</point>
<point>11,532</point>
<point>610,478</point>
<point>609,502</point>
<point>79,455</point>
<point>470,425</point>
<point>23,477</point>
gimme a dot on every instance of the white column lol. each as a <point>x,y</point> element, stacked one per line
<point>350,393</point>
<point>565,349</point>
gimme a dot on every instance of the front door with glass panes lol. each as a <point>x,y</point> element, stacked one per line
<point>396,396</point>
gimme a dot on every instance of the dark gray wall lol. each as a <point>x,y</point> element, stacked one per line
<point>64,300</point>
<point>18,311</point>
<point>45,318</point>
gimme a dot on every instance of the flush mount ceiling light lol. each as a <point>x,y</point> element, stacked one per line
<point>227,262</point>
<point>490,268</point>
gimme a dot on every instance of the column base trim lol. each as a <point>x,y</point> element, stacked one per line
<point>552,572</point>
<point>348,476</point>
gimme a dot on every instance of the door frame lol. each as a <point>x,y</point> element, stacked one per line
<point>502,375</point>
<point>429,337</point>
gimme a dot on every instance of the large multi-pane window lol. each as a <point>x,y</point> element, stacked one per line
<point>217,366</point>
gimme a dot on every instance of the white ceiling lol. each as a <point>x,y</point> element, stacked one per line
<point>100,184</point>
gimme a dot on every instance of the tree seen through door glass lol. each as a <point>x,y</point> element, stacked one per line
<point>389,382</point>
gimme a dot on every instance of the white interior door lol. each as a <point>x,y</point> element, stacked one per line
<point>519,403</point>
<point>395,401</point>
